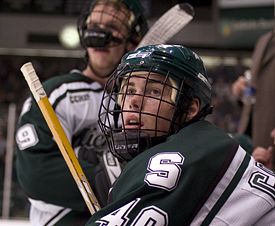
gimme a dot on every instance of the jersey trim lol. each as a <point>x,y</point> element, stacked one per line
<point>60,98</point>
<point>228,191</point>
<point>233,174</point>
<point>60,92</point>
<point>57,217</point>
<point>231,157</point>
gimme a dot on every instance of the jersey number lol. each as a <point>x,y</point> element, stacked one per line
<point>147,216</point>
<point>263,180</point>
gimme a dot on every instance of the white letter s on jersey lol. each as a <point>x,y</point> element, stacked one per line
<point>164,170</point>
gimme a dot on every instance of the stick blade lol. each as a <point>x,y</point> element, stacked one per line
<point>169,24</point>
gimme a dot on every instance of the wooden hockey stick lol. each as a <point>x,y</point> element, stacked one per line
<point>169,24</point>
<point>60,137</point>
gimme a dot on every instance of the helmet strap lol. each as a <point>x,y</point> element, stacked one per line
<point>207,109</point>
<point>129,144</point>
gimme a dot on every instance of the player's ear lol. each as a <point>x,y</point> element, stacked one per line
<point>193,109</point>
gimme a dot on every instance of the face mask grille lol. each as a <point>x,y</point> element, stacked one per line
<point>125,125</point>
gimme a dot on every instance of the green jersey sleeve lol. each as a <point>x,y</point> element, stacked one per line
<point>41,170</point>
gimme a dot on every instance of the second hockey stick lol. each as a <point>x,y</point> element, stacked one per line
<point>169,24</point>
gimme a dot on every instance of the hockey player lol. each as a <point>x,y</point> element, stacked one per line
<point>107,29</point>
<point>181,169</point>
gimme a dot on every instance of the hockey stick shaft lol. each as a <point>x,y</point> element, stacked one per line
<point>169,24</point>
<point>60,137</point>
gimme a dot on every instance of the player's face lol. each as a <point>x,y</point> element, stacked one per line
<point>146,103</point>
<point>106,16</point>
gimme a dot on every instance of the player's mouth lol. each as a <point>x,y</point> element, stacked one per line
<point>102,50</point>
<point>132,122</point>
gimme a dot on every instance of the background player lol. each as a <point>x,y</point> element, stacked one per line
<point>108,29</point>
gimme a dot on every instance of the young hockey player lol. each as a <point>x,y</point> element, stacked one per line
<point>180,169</point>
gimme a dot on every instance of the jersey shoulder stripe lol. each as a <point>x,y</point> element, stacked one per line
<point>227,192</point>
<point>56,81</point>
<point>58,87</point>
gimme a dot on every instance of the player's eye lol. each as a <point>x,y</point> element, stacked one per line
<point>155,92</point>
<point>130,91</point>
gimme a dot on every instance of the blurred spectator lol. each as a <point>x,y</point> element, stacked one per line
<point>258,119</point>
<point>266,156</point>
<point>226,111</point>
<point>245,124</point>
<point>263,68</point>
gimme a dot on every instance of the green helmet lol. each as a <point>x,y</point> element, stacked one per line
<point>183,68</point>
<point>137,24</point>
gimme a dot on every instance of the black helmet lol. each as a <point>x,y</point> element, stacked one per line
<point>186,73</point>
<point>97,37</point>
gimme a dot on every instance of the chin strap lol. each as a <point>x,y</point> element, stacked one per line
<point>206,110</point>
<point>129,144</point>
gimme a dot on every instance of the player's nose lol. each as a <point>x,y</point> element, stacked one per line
<point>136,102</point>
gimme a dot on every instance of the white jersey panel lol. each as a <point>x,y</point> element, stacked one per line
<point>247,203</point>
<point>42,213</point>
<point>220,188</point>
<point>80,108</point>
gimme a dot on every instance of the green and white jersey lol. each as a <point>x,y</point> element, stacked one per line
<point>200,176</point>
<point>41,169</point>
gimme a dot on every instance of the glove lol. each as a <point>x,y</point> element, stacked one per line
<point>93,147</point>
<point>111,166</point>
<point>107,171</point>
<point>90,144</point>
